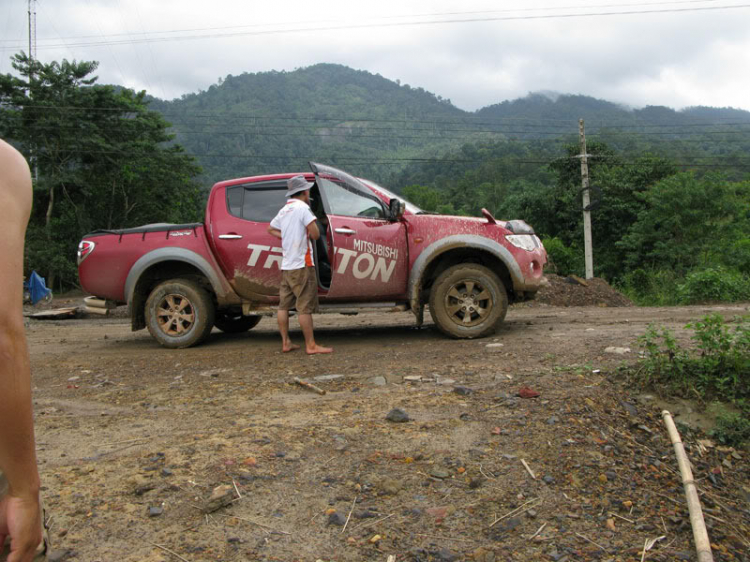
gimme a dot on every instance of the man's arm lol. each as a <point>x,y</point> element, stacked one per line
<point>19,509</point>
<point>312,230</point>
<point>274,232</point>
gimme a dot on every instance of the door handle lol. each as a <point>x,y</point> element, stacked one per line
<point>230,236</point>
<point>345,231</point>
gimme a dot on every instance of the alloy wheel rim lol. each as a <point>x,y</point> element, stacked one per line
<point>468,303</point>
<point>175,315</point>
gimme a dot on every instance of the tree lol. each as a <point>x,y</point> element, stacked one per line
<point>426,198</point>
<point>616,197</point>
<point>688,222</point>
<point>101,159</point>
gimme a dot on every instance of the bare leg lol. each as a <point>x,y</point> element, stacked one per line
<point>286,343</point>
<point>306,322</point>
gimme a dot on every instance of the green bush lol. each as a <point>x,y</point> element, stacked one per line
<point>732,429</point>
<point>650,287</point>
<point>738,255</point>
<point>719,368</point>
<point>714,284</point>
<point>563,259</point>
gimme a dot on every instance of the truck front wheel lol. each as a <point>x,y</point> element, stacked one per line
<point>468,301</point>
<point>179,313</point>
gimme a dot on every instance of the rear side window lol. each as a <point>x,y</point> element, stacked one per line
<point>259,203</point>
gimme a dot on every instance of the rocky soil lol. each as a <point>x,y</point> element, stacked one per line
<point>525,446</point>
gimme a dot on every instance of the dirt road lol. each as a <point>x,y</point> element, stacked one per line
<point>133,438</point>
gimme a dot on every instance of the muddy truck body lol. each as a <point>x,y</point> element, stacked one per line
<point>376,252</point>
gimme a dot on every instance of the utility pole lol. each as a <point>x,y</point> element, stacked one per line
<point>32,57</point>
<point>32,29</point>
<point>587,251</point>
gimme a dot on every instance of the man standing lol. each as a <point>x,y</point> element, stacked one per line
<point>20,512</point>
<point>295,225</point>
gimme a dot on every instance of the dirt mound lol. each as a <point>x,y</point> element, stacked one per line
<point>572,291</point>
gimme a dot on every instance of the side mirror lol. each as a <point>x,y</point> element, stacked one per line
<point>396,208</point>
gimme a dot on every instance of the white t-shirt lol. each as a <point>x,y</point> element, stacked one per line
<point>292,220</point>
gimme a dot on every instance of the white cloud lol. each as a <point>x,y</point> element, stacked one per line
<point>674,59</point>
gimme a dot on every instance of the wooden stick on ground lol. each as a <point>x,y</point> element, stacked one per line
<point>261,525</point>
<point>539,530</point>
<point>513,512</point>
<point>702,542</point>
<point>621,517</point>
<point>172,552</point>
<point>308,386</point>
<point>528,469</point>
<point>350,514</point>
<point>592,542</point>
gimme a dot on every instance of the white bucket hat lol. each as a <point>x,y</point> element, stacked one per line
<point>296,185</point>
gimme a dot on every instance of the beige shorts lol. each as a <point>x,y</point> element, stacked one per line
<point>299,289</point>
<point>42,550</point>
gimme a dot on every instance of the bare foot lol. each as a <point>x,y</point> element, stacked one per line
<point>286,348</point>
<point>318,349</point>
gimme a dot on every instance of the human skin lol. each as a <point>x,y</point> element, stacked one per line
<point>20,516</point>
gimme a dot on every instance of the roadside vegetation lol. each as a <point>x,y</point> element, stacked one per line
<point>100,160</point>
<point>662,235</point>
<point>715,370</point>
<point>669,189</point>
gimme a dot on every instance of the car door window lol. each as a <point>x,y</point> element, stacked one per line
<point>256,203</point>
<point>346,201</point>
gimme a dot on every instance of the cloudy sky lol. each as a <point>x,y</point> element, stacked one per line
<point>476,52</point>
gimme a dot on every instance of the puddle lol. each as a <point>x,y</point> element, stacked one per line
<point>688,412</point>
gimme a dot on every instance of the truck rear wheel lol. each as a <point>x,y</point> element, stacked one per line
<point>468,301</point>
<point>179,313</point>
<point>235,322</point>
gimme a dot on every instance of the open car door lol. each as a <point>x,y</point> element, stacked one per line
<point>369,251</point>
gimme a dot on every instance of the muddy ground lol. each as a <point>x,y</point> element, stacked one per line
<point>133,438</point>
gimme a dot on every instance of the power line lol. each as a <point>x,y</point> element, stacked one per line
<point>414,133</point>
<point>360,160</point>
<point>287,30</point>
<point>469,120</point>
<point>422,15</point>
<point>151,53</point>
<point>437,134</point>
<point>109,49</point>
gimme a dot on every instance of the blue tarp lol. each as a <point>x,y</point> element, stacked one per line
<point>37,288</point>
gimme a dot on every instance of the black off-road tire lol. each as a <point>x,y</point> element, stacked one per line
<point>179,313</point>
<point>234,322</point>
<point>468,301</point>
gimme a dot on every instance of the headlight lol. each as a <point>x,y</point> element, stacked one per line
<point>528,242</point>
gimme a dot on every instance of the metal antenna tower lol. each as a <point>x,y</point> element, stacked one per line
<point>32,29</point>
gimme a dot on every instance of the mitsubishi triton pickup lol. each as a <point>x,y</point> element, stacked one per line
<point>376,251</point>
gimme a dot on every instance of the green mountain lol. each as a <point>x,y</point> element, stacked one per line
<point>391,132</point>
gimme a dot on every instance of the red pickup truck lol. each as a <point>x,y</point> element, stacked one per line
<point>375,251</point>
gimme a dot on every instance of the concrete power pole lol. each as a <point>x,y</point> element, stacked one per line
<point>32,29</point>
<point>587,250</point>
<point>32,56</point>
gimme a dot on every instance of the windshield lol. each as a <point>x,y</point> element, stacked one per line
<point>411,207</point>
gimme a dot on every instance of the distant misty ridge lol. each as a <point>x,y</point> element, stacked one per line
<point>271,121</point>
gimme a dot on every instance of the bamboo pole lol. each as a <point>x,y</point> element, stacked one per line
<point>700,535</point>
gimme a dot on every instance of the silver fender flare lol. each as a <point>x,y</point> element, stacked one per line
<point>441,246</point>
<point>172,254</point>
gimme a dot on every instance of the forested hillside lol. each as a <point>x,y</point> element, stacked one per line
<point>670,189</point>
<point>271,121</point>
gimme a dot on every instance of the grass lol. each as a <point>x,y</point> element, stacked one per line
<point>715,368</point>
<point>666,288</point>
